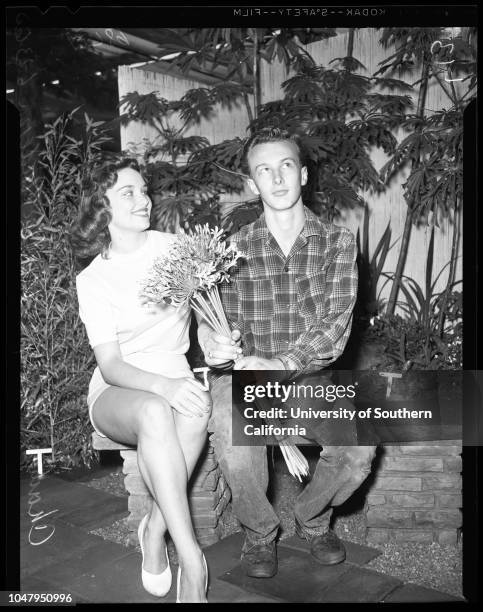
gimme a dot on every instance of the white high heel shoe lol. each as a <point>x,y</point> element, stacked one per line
<point>156,584</point>
<point>179,578</point>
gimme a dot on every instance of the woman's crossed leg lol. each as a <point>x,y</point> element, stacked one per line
<point>168,447</point>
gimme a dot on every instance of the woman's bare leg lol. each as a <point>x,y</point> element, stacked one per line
<point>137,417</point>
<point>191,444</point>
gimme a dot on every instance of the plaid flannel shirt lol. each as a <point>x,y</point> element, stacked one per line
<point>296,308</point>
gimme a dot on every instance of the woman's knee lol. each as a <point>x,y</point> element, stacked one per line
<point>155,416</point>
<point>195,426</point>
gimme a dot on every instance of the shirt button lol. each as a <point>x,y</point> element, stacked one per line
<point>286,269</point>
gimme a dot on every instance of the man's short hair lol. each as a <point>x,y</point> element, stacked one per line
<point>270,134</point>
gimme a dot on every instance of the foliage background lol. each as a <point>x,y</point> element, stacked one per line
<point>56,359</point>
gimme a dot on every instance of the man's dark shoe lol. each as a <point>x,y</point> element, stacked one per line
<point>260,560</point>
<point>326,548</point>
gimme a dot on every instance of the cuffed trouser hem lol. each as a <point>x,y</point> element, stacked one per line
<point>250,541</point>
<point>310,534</point>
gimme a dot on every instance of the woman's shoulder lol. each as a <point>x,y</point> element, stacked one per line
<point>164,237</point>
<point>161,241</point>
<point>91,273</point>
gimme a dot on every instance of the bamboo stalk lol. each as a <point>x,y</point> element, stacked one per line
<point>401,262</point>
<point>256,77</point>
<point>452,268</point>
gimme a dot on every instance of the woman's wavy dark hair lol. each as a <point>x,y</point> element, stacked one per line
<point>89,234</point>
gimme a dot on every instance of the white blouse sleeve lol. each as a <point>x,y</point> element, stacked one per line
<point>95,311</point>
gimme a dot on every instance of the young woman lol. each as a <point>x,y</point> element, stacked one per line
<point>142,391</point>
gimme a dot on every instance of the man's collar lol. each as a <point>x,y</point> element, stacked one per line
<point>260,229</point>
<point>311,226</point>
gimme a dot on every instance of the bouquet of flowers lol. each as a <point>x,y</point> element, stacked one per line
<point>196,263</point>
<point>190,273</point>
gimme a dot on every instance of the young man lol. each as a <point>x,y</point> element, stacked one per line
<point>290,307</point>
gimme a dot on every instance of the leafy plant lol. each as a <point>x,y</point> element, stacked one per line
<point>340,115</point>
<point>188,192</point>
<point>340,120</point>
<point>242,214</point>
<point>56,359</point>
<point>408,345</point>
<point>419,339</point>
<point>370,269</point>
<point>433,149</point>
<point>184,183</point>
<point>236,52</point>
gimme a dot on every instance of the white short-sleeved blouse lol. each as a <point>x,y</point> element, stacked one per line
<point>154,338</point>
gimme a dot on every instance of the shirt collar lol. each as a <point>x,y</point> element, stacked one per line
<point>311,226</point>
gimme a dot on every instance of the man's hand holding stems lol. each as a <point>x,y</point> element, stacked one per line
<point>225,352</point>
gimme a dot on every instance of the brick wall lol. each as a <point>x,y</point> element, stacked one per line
<point>416,496</point>
<point>209,496</point>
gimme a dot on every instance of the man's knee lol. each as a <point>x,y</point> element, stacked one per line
<point>220,390</point>
<point>359,460</point>
<point>356,459</point>
<point>225,417</point>
<point>238,462</point>
<point>220,428</point>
